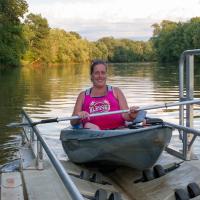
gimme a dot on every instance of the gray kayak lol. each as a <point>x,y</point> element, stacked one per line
<point>136,148</point>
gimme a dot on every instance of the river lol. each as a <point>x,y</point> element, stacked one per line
<point>51,91</point>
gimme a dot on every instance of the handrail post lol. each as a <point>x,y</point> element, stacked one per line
<point>187,57</point>
<point>189,95</point>
<point>39,161</point>
<point>181,93</point>
<point>32,135</point>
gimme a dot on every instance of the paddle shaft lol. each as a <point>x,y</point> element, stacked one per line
<point>165,105</point>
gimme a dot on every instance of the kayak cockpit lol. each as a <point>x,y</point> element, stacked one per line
<point>137,148</point>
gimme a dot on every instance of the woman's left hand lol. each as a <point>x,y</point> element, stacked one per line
<point>133,111</point>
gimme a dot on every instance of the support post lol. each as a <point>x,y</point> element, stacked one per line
<point>39,156</point>
<point>189,107</point>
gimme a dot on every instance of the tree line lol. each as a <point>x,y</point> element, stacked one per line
<point>170,38</point>
<point>30,40</point>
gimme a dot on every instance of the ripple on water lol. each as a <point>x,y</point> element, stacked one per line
<point>52,93</point>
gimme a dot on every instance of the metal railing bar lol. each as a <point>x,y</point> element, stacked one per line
<point>174,153</point>
<point>68,183</point>
<point>191,142</point>
<point>191,52</point>
<point>186,65</point>
<point>184,128</point>
<point>24,132</point>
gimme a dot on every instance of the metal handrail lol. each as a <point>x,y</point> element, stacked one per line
<point>191,52</point>
<point>187,58</point>
<point>68,183</point>
<point>181,68</point>
<point>185,130</point>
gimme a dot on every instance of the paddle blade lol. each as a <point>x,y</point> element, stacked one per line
<point>17,125</point>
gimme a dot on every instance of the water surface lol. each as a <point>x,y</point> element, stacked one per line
<point>52,91</point>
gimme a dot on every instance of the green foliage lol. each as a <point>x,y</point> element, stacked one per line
<point>125,50</point>
<point>192,33</point>
<point>36,31</point>
<point>12,45</point>
<point>98,50</point>
<point>34,41</point>
<point>170,39</point>
<point>12,42</point>
<point>12,10</point>
<point>75,34</point>
<point>110,43</point>
<point>67,47</point>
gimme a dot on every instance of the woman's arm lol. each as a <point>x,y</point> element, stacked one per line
<point>78,108</point>
<point>124,106</point>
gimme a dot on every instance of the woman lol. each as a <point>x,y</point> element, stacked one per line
<point>101,98</point>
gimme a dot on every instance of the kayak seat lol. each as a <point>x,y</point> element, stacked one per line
<point>149,122</point>
<point>154,121</point>
<point>136,123</point>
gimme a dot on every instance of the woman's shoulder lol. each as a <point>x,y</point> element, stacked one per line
<point>81,95</point>
<point>116,91</point>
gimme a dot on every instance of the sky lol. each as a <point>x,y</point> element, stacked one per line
<point>94,19</point>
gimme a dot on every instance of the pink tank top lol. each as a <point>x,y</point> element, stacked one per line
<point>103,104</point>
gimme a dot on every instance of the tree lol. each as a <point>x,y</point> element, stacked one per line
<point>12,41</point>
<point>192,33</point>
<point>12,10</point>
<point>36,31</point>
<point>66,47</point>
<point>168,40</point>
<point>98,50</point>
<point>75,34</point>
<point>126,50</point>
<point>110,43</point>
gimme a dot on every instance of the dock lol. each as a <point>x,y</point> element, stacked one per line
<point>31,183</point>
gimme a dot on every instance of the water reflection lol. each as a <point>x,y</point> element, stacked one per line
<point>51,92</point>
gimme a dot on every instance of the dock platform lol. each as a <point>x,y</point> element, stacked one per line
<point>30,183</point>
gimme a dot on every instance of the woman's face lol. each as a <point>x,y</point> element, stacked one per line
<point>98,76</point>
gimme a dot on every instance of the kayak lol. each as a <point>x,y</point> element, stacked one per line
<point>137,148</point>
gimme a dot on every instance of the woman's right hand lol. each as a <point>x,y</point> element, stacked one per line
<point>133,112</point>
<point>84,115</point>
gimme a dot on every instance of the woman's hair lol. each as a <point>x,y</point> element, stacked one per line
<point>96,62</point>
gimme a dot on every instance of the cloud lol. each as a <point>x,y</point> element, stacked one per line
<point>95,29</point>
<point>116,10</point>
<point>120,18</point>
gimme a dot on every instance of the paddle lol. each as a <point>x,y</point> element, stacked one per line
<point>165,105</point>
